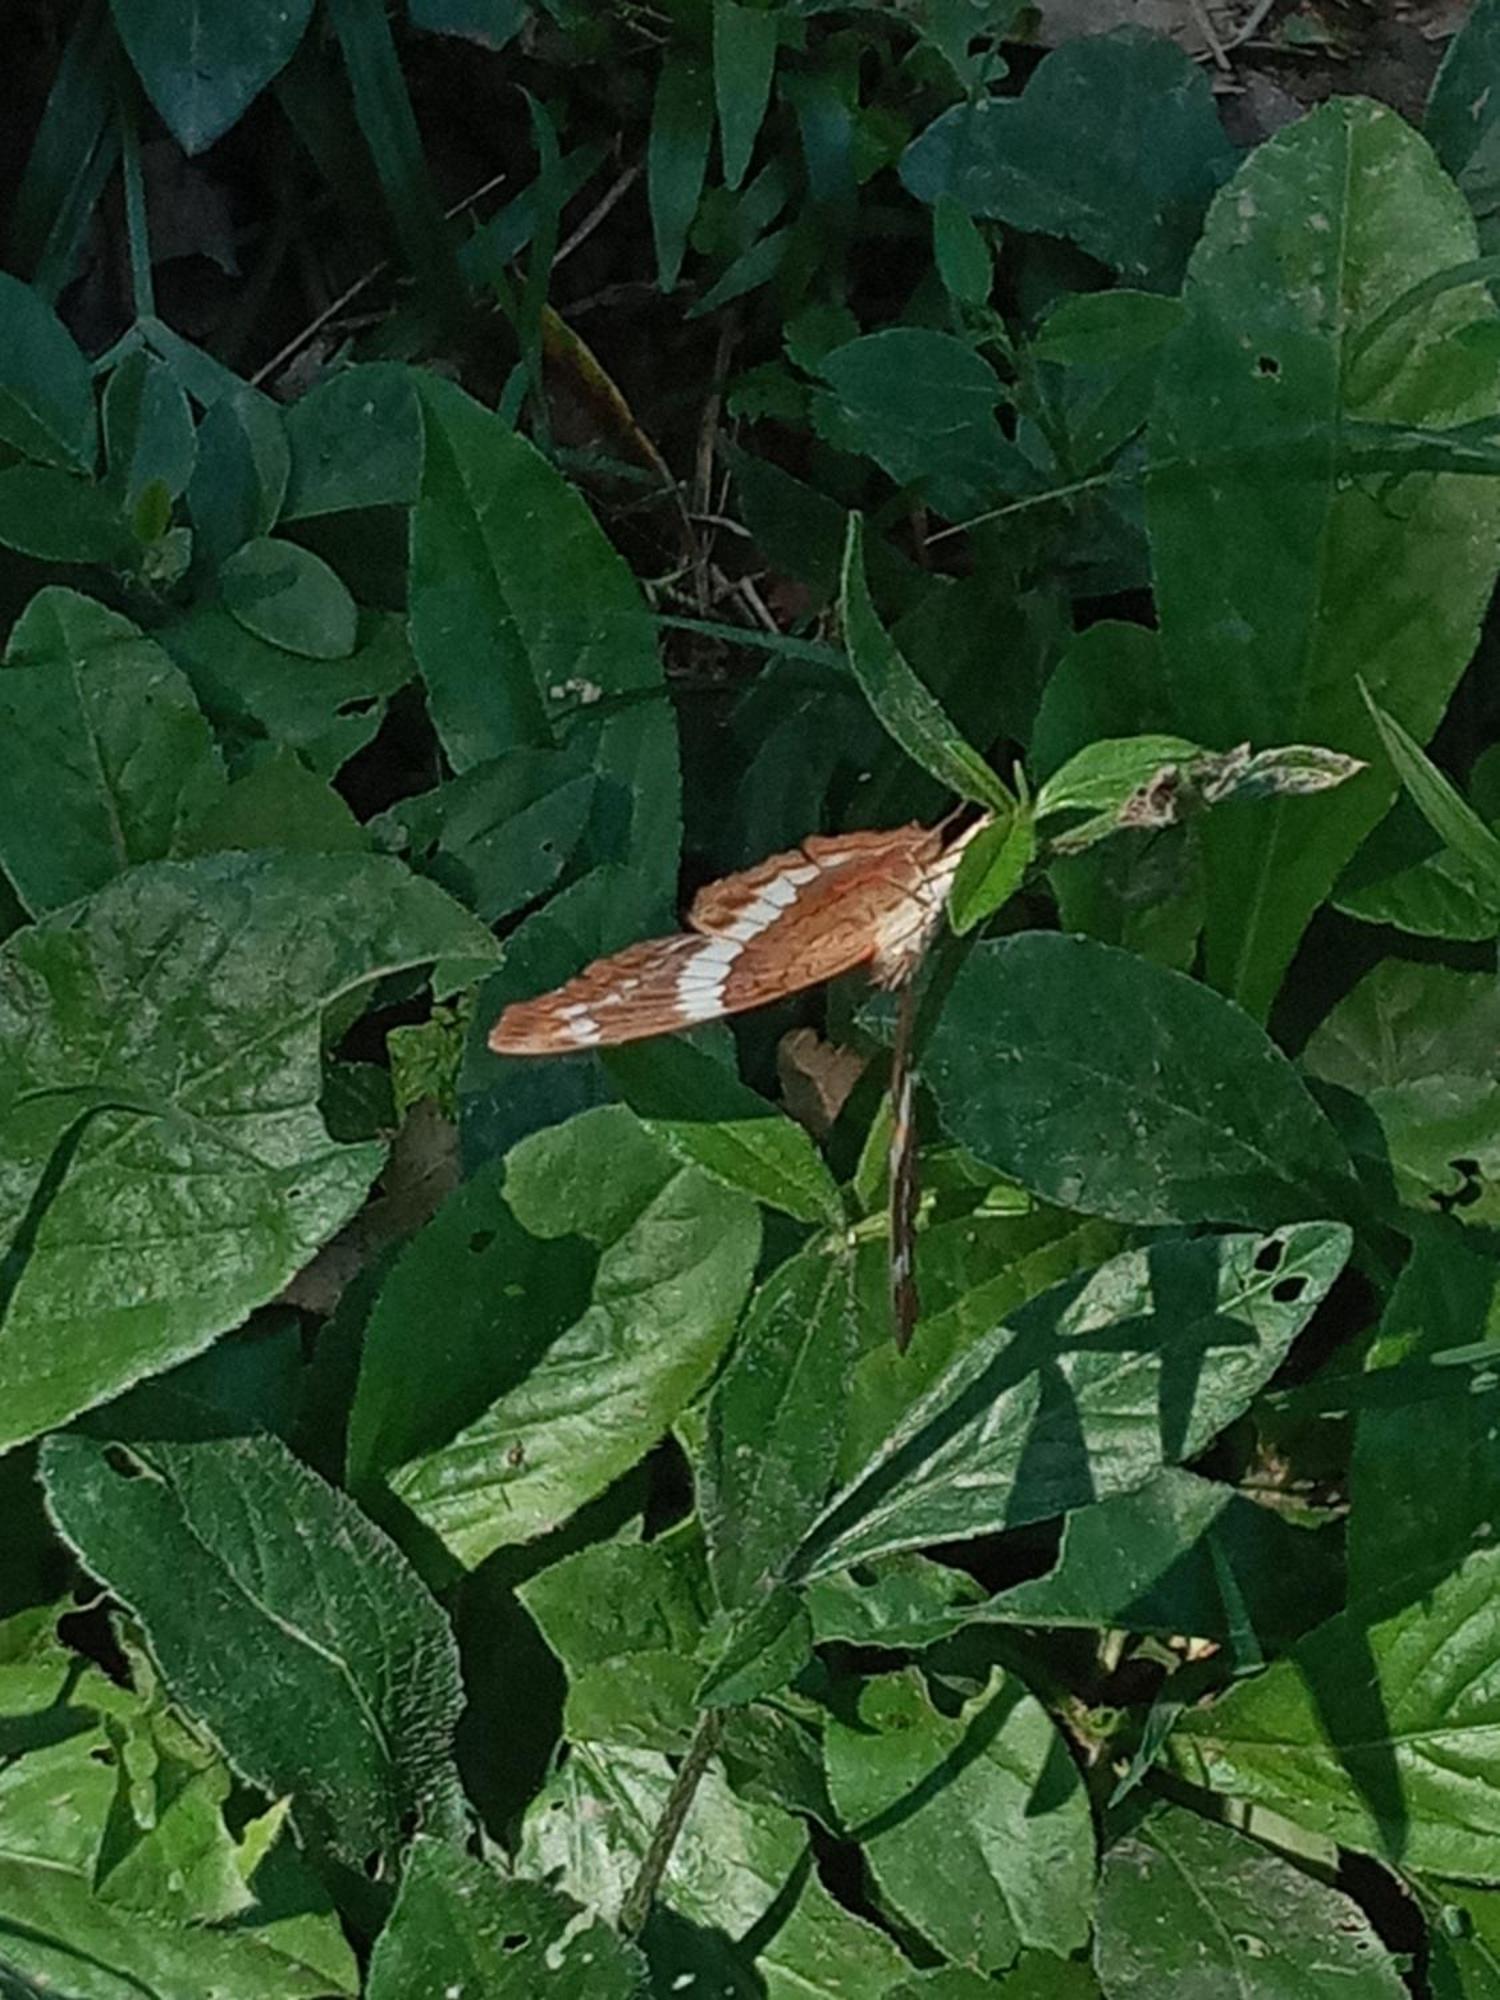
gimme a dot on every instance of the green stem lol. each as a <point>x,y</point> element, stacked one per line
<point>642,1893</point>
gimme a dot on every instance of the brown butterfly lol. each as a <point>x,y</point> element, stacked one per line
<point>835,903</point>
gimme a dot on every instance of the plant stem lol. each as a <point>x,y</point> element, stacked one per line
<point>637,1905</point>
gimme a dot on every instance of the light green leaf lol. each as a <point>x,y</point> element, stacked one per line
<point>710,1118</point>
<point>901,703</point>
<point>1083,1393</point>
<point>617,1276</point>
<point>1260,643</point>
<point>975,1826</point>
<point>824,1952</point>
<point>460,1927</point>
<point>46,395</point>
<point>108,759</point>
<point>283,1620</point>
<point>1379,1730</point>
<point>159,1082</point>
<point>1183,1899</point>
<point>204,62</point>
<point>1442,805</point>
<point>1101,777</point>
<point>290,598</point>
<point>776,1418</point>
<point>993,867</point>
<point>1113,1086</point>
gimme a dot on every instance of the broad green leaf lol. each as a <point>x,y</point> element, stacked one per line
<point>1442,805</point>
<point>283,1620</point>
<point>1083,1393</point>
<point>776,1418</point>
<point>239,476</point>
<point>975,1826</point>
<point>1405,1524</point>
<point>499,836</point>
<point>682,119</point>
<point>355,441</point>
<point>1037,1975</point>
<point>763,1650</point>
<point>1417,887</point>
<point>290,598</point>
<point>159,1080</point>
<point>922,405</point>
<point>993,867</point>
<point>108,759</point>
<point>278,803</point>
<point>1261,643</point>
<point>460,1927</point>
<point>148,428</point>
<point>204,62</point>
<point>1107,684</point>
<point>588,1829</point>
<point>909,714</point>
<point>1461,121</point>
<point>1463,1939</point>
<point>1105,329</point>
<point>711,1119</point>
<point>961,253</point>
<point>626,1620</point>
<point>1421,1045</point>
<point>1115,144</point>
<point>1113,1086</point>
<point>1379,1730</point>
<point>59,517</point>
<point>1184,1900</point>
<point>824,1952</point>
<point>46,395</point>
<point>524,620</point>
<point>744,62</point>
<point>1102,776</point>
<point>618,1275</point>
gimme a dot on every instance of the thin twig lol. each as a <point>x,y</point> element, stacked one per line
<point>598,212</point>
<point>1247,28</point>
<point>1206,30</point>
<point>642,1892</point>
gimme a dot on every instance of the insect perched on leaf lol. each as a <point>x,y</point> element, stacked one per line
<point>836,902</point>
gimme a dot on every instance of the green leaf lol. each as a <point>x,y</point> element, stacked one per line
<point>290,598</point>
<point>239,477</point>
<point>1418,1043</point>
<point>204,63</point>
<point>1102,776</point>
<point>901,703</point>
<point>1086,1392</point>
<point>962,255</point>
<point>283,1620</point>
<point>46,395</point>
<point>975,1826</point>
<point>325,712</point>
<point>1261,644</point>
<point>159,1078</point>
<point>744,63</point>
<point>458,1926</point>
<point>588,1829</point>
<point>993,867</point>
<point>1461,114</point>
<point>1115,144</point>
<point>1105,330</point>
<point>490,23</point>
<point>711,1119</point>
<point>72,150</point>
<point>108,758</point>
<point>1182,1898</point>
<point>1442,805</point>
<point>1379,1730</point>
<point>355,441</point>
<point>499,836</point>
<point>1111,1085</point>
<point>823,1952</point>
<point>775,1421</point>
<point>277,803</point>
<point>677,157</point>
<point>148,429</point>
<point>618,1273</point>
<point>1107,684</point>
<point>764,1649</point>
<point>58,517</point>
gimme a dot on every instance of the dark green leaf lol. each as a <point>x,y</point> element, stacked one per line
<point>457,1922</point>
<point>1442,805</point>
<point>963,256</point>
<point>490,23</point>
<point>975,1826</point>
<point>1105,329</point>
<point>1184,1899</point>
<point>290,598</point>
<point>240,475</point>
<point>1107,684</point>
<point>1259,642</point>
<point>59,517</point>
<point>108,759</point>
<point>148,429</point>
<point>1115,143</point>
<point>46,396</point>
<point>744,62</point>
<point>73,149</point>
<point>278,803</point>
<point>1113,1086</point>
<point>1462,112</point>
<point>1086,1392</point>
<point>204,62</point>
<point>283,1620</point>
<point>902,703</point>
<point>159,1078</point>
<point>677,157</point>
<point>1379,1730</point>
<point>775,1421</point>
<point>355,441</point>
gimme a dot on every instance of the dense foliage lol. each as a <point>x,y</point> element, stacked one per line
<point>466,1526</point>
